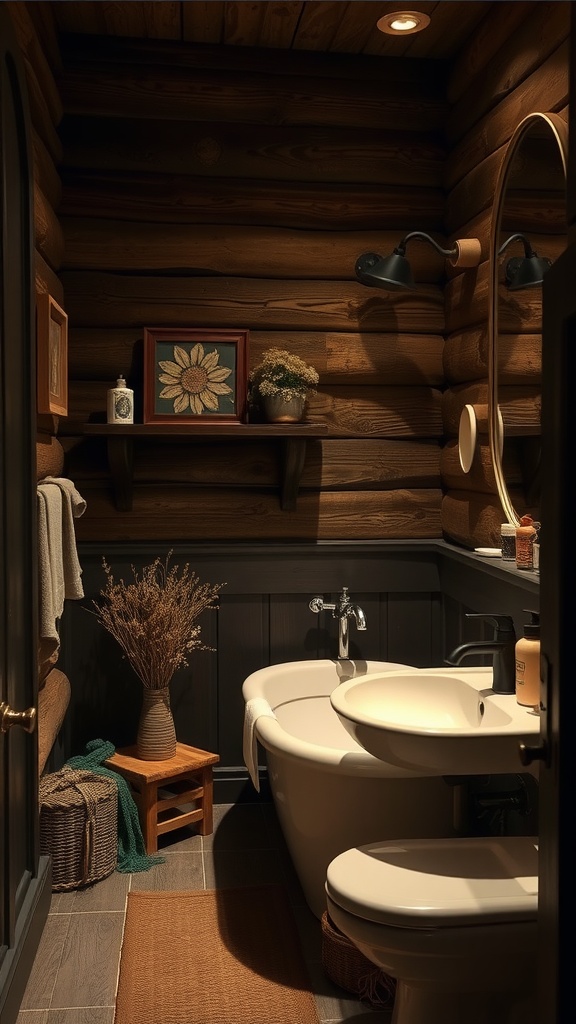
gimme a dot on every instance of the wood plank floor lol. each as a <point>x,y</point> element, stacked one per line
<point>76,969</point>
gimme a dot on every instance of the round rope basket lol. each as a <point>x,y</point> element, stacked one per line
<point>78,826</point>
<point>348,968</point>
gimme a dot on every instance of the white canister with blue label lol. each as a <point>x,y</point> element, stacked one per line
<point>120,407</point>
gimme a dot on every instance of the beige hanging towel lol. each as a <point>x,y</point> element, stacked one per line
<point>59,569</point>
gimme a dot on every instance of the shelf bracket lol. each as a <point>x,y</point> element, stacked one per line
<point>293,458</point>
<point>120,462</point>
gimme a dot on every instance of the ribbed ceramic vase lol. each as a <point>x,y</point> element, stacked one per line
<point>156,738</point>
<point>278,410</point>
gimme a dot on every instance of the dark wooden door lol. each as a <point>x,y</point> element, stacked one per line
<point>24,876</point>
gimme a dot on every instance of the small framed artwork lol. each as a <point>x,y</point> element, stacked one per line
<point>195,375</point>
<point>52,356</point>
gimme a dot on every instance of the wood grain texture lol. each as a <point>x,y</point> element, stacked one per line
<point>163,93</point>
<point>254,215</point>
<point>186,199</point>
<point>520,405</point>
<point>162,513</point>
<point>301,153</point>
<point>371,358</point>
<point>334,464</point>
<point>234,251</point>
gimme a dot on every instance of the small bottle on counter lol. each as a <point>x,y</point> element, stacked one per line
<point>528,663</point>
<point>536,552</point>
<point>120,406</point>
<point>525,537</point>
<point>508,541</point>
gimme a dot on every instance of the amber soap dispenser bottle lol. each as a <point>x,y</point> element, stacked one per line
<point>528,663</point>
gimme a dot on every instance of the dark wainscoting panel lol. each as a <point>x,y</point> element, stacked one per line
<point>414,594</point>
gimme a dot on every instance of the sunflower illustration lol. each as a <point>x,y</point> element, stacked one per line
<point>194,380</point>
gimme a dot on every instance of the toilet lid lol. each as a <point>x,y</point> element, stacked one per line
<point>426,883</point>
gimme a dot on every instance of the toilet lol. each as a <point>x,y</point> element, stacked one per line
<point>453,920</point>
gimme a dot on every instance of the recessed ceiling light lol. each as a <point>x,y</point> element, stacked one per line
<point>403,23</point>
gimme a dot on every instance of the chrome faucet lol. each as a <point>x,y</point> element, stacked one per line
<point>342,610</point>
<point>502,647</point>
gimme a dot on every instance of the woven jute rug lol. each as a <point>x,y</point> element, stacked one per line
<point>224,956</point>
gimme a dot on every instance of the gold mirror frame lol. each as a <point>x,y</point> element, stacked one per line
<point>559,131</point>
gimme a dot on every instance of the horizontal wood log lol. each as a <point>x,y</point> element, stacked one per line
<point>472,519</point>
<point>33,47</point>
<point>483,44</point>
<point>481,477</point>
<point>511,68</point>
<point>465,357</point>
<point>520,406</point>
<point>48,232</point>
<point>186,514</point>
<point>46,280</point>
<point>330,464</point>
<point>162,92</point>
<point>92,243</point>
<point>45,174</point>
<point>538,212</point>
<point>187,199</point>
<point>474,191</point>
<point>42,16</point>
<point>454,399</point>
<point>546,89</point>
<point>120,300</point>
<point>190,56</point>
<point>247,151</point>
<point>399,412</point>
<point>520,359</point>
<point>40,113</point>
<point>367,358</point>
<point>467,298</point>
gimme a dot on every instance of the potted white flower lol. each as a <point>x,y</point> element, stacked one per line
<point>279,385</point>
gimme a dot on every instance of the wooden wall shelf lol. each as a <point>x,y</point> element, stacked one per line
<point>120,438</point>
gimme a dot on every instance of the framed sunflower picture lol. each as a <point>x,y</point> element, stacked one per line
<point>195,375</point>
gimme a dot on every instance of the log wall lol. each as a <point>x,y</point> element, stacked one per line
<point>178,185</point>
<point>485,109</point>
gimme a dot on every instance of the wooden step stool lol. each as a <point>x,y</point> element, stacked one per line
<point>161,787</point>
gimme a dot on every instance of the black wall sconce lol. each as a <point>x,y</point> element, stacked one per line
<point>394,273</point>
<point>524,271</point>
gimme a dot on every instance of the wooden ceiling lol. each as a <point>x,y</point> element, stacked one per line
<point>320,26</point>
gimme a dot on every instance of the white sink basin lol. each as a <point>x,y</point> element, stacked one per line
<point>447,721</point>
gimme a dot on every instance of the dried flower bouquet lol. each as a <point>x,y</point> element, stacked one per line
<point>281,373</point>
<point>154,617</point>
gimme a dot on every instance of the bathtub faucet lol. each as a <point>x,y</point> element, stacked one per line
<point>342,610</point>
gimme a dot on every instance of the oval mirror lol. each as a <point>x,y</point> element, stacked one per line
<point>528,232</point>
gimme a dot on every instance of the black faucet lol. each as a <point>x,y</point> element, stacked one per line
<point>502,647</point>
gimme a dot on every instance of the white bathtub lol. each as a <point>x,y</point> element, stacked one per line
<point>329,793</point>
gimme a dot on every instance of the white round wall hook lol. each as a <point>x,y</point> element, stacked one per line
<point>467,434</point>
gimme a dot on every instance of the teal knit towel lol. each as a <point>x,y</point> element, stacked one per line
<point>132,854</point>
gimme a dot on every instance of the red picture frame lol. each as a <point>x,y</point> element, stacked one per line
<point>195,375</point>
<point>51,356</point>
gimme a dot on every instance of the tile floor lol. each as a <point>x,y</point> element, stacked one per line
<point>76,967</point>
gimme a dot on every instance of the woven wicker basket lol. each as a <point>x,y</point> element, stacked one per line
<point>78,827</point>
<point>348,968</point>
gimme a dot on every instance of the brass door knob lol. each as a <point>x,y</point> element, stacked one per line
<point>24,719</point>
